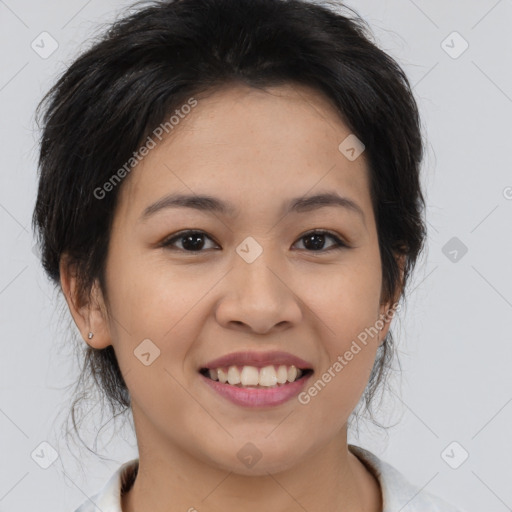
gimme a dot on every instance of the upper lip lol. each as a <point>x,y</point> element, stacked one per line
<point>258,359</point>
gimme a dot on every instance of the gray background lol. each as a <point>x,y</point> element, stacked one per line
<point>455,341</point>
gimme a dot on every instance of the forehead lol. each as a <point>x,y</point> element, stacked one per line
<point>251,147</point>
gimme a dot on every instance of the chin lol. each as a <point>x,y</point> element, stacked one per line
<point>250,460</point>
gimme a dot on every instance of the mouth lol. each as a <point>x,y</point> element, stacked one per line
<point>266,377</point>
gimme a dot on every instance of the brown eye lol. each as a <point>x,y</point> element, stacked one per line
<point>315,241</point>
<point>191,241</point>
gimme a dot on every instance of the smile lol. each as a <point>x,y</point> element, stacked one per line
<point>270,376</point>
<point>249,386</point>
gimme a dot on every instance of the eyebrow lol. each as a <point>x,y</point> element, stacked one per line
<point>212,204</point>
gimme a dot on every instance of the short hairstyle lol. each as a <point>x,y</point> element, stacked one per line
<point>149,63</point>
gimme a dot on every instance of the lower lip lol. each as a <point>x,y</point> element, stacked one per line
<point>254,397</point>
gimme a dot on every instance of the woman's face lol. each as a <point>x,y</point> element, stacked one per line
<point>250,281</point>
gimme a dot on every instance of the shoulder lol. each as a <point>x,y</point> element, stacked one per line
<point>398,493</point>
<point>108,499</point>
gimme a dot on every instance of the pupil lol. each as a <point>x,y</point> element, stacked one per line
<point>194,241</point>
<point>317,239</point>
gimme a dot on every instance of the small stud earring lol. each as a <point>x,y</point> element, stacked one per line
<point>90,335</point>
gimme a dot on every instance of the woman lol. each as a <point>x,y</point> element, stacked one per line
<point>230,201</point>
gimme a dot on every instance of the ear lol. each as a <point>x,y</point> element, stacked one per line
<point>388,309</point>
<point>90,315</point>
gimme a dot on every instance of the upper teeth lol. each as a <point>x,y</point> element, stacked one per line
<point>253,376</point>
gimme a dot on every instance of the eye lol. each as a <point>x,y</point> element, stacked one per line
<point>315,241</point>
<point>191,240</point>
<point>194,241</point>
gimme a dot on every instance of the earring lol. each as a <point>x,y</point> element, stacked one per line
<point>90,335</point>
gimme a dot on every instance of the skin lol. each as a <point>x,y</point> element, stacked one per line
<point>256,149</point>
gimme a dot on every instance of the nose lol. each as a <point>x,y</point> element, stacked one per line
<point>258,297</point>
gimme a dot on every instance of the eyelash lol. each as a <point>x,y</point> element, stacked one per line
<point>338,243</point>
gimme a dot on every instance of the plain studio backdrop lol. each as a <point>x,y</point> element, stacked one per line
<point>452,407</point>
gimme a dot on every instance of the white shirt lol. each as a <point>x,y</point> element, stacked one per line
<point>398,493</point>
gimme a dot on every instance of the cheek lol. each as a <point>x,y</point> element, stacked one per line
<point>346,305</point>
<point>152,301</point>
<point>347,311</point>
<point>151,296</point>
<point>158,301</point>
<point>346,299</point>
